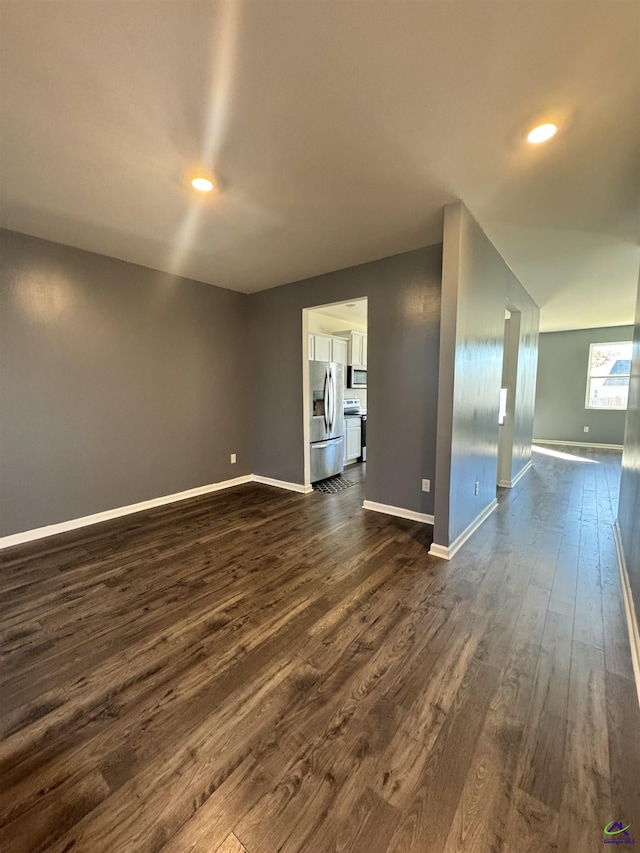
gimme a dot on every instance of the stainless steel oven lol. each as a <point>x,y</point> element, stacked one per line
<point>356,377</point>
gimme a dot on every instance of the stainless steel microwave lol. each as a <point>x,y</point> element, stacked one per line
<point>356,377</point>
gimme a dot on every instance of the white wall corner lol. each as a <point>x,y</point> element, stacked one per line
<point>439,551</point>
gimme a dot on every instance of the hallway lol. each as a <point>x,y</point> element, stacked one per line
<point>260,671</point>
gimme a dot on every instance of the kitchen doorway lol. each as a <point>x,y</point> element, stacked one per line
<point>335,380</point>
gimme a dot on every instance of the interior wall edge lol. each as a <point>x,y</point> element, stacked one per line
<point>630,610</point>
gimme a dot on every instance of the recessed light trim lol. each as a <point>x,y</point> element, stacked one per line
<point>203,185</point>
<point>542,133</point>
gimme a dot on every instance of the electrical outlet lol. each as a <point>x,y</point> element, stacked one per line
<point>586,429</point>
<point>233,459</point>
<point>426,485</point>
<point>477,487</point>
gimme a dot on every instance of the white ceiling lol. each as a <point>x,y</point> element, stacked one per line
<point>349,312</point>
<point>338,130</point>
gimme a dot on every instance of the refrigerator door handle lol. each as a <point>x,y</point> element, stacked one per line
<point>331,401</point>
<point>326,399</point>
<point>334,394</point>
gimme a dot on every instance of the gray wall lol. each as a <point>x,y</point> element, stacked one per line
<point>562,383</point>
<point>403,328</point>
<point>629,508</point>
<point>477,285</point>
<point>117,383</point>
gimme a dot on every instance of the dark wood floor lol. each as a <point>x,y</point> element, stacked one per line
<point>261,671</point>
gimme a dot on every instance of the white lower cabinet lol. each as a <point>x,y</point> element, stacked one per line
<point>352,439</point>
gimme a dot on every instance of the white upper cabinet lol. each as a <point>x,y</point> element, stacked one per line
<point>339,349</point>
<point>328,348</point>
<point>356,347</point>
<point>322,348</point>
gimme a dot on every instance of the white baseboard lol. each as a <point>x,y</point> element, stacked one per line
<point>118,512</point>
<point>398,512</point>
<point>632,620</point>
<point>527,467</point>
<point>578,444</point>
<point>509,484</point>
<point>446,553</point>
<point>282,484</point>
<point>440,551</point>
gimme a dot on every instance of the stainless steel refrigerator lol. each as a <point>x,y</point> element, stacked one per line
<point>326,392</point>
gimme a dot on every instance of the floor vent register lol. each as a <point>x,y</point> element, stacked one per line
<point>333,484</point>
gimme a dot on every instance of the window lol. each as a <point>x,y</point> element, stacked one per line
<point>608,379</point>
<point>502,411</point>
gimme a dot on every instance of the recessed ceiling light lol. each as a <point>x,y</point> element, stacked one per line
<point>542,133</point>
<point>203,185</point>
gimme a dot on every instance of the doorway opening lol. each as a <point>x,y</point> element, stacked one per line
<point>334,391</point>
<point>506,415</point>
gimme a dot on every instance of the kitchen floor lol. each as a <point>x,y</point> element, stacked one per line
<point>257,670</point>
<point>357,473</point>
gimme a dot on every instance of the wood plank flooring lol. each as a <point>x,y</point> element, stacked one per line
<point>257,671</point>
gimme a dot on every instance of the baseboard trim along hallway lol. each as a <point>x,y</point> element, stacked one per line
<point>398,511</point>
<point>509,484</point>
<point>632,621</point>
<point>118,512</point>
<point>447,553</point>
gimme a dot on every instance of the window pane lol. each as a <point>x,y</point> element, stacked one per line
<point>610,359</point>
<point>608,393</point>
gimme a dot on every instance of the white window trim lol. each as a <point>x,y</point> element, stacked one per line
<point>590,377</point>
